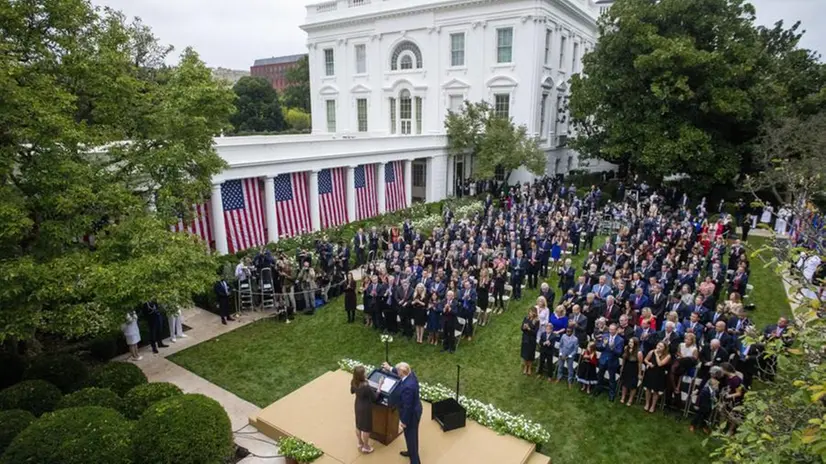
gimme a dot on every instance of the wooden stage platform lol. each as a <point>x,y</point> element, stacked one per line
<point>322,412</point>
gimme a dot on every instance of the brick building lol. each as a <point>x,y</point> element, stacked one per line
<point>275,69</point>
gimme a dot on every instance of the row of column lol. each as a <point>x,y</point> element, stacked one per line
<point>219,223</point>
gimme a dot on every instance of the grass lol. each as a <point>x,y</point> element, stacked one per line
<point>769,294</point>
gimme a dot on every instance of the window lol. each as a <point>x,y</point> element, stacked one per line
<point>455,103</point>
<point>575,65</point>
<point>331,116</point>
<point>361,114</point>
<point>418,115</point>
<point>499,174</point>
<point>329,62</point>
<point>548,39</point>
<point>504,45</point>
<point>543,106</point>
<point>563,42</point>
<point>556,114</point>
<point>413,53</point>
<point>418,175</point>
<point>406,62</point>
<point>392,115</point>
<point>405,112</point>
<point>361,59</point>
<point>502,105</point>
<point>457,49</point>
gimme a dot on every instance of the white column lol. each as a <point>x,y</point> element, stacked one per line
<point>408,182</point>
<point>315,215</point>
<point>219,230</point>
<point>380,187</point>
<point>269,209</point>
<point>451,181</point>
<point>351,194</point>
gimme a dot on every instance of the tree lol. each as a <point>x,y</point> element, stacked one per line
<point>682,87</point>
<point>99,143</point>
<point>298,119</point>
<point>495,142</point>
<point>297,94</point>
<point>258,107</point>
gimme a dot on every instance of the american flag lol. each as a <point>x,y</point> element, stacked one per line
<point>394,196</point>
<point>201,224</point>
<point>332,197</point>
<point>292,204</point>
<point>243,214</point>
<point>366,200</point>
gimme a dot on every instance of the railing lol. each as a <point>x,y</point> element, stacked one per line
<point>355,3</point>
<point>325,7</point>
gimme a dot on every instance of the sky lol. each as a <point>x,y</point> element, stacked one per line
<point>233,34</point>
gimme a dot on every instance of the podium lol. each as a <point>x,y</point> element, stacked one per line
<point>385,416</point>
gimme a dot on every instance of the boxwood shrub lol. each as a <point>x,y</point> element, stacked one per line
<point>74,436</point>
<point>13,368</point>
<point>35,396</point>
<point>120,377</point>
<point>63,371</point>
<point>143,396</point>
<point>14,421</point>
<point>92,396</point>
<point>184,429</point>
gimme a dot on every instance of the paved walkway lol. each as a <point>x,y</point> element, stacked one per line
<point>205,326</point>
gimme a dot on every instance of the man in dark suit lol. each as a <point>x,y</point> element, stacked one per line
<point>450,308</point>
<point>389,307</point>
<point>566,276</point>
<point>611,347</point>
<point>719,333</point>
<point>406,398</point>
<point>403,296</point>
<point>360,244</point>
<point>738,324</point>
<point>222,292</point>
<point>612,311</point>
<point>780,331</point>
<point>518,267</point>
<point>154,317</point>
<point>647,337</point>
<point>658,302</point>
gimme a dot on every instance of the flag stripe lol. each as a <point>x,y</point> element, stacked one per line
<point>366,199</point>
<point>292,204</point>
<point>243,214</point>
<point>395,199</point>
<point>332,197</point>
<point>201,224</point>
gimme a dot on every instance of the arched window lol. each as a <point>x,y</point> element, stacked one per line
<point>406,55</point>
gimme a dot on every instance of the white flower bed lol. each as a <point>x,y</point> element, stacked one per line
<point>488,415</point>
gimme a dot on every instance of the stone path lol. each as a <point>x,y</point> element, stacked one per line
<point>205,326</point>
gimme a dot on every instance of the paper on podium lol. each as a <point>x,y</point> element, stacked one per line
<point>386,386</point>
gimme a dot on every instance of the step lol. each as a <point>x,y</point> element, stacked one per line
<point>538,458</point>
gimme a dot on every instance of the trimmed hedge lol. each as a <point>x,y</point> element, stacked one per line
<point>35,396</point>
<point>13,368</point>
<point>184,429</point>
<point>92,396</point>
<point>106,346</point>
<point>64,371</point>
<point>120,377</point>
<point>141,397</point>
<point>14,421</point>
<point>90,434</point>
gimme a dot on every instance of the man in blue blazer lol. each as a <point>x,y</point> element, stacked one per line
<point>610,347</point>
<point>406,398</point>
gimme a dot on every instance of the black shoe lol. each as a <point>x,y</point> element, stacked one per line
<point>161,345</point>
<point>230,318</point>
<point>223,321</point>
<point>155,350</point>
<point>404,453</point>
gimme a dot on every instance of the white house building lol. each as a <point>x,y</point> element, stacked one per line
<point>383,75</point>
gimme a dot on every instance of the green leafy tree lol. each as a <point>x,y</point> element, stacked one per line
<point>258,106</point>
<point>298,119</point>
<point>297,94</point>
<point>683,86</point>
<point>99,143</point>
<point>495,142</point>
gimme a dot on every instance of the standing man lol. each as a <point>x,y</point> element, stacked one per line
<point>611,348</point>
<point>222,292</point>
<point>360,244</point>
<point>155,320</point>
<point>407,400</point>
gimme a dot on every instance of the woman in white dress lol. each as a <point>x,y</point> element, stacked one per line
<point>780,225</point>
<point>176,326</point>
<point>766,217</point>
<point>132,334</point>
<point>544,314</point>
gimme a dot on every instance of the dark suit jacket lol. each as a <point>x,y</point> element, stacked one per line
<point>406,398</point>
<point>610,356</point>
<point>566,278</point>
<point>673,343</point>
<point>220,290</point>
<point>726,340</point>
<point>614,315</point>
<point>721,356</point>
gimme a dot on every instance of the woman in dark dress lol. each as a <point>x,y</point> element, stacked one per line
<point>419,305</point>
<point>482,293</point>
<point>350,300</point>
<point>365,396</point>
<point>434,318</point>
<point>654,380</point>
<point>631,370</point>
<point>530,327</point>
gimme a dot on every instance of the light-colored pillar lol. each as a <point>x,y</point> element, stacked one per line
<point>269,209</point>
<point>315,213</point>
<point>451,175</point>
<point>219,229</point>
<point>408,182</point>
<point>381,187</point>
<point>351,194</point>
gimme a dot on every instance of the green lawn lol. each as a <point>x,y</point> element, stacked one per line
<point>768,295</point>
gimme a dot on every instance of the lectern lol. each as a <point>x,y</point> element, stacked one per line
<point>385,416</point>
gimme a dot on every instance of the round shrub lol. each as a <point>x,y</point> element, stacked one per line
<point>35,396</point>
<point>105,347</point>
<point>14,421</point>
<point>143,396</point>
<point>92,397</point>
<point>63,371</point>
<point>74,436</point>
<point>120,377</point>
<point>13,367</point>
<point>184,429</point>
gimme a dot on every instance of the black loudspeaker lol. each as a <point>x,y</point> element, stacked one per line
<point>449,413</point>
